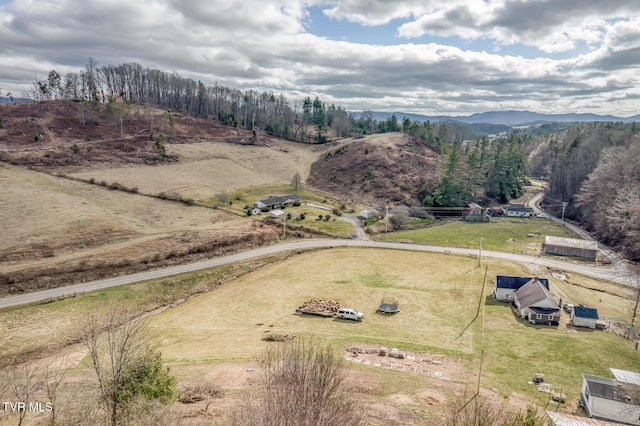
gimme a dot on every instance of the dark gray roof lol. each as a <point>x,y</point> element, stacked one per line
<point>532,292</point>
<point>281,199</point>
<point>514,283</point>
<point>545,311</point>
<point>520,209</point>
<point>584,312</point>
<point>612,389</point>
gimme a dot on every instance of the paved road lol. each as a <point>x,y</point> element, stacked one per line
<point>606,273</point>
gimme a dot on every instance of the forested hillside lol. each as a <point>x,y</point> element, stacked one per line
<point>595,169</point>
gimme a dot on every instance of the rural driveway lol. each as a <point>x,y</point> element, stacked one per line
<point>360,233</point>
<point>607,273</point>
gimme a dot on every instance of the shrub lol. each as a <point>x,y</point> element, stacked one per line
<point>302,216</point>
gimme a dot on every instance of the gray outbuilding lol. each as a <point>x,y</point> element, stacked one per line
<point>570,247</point>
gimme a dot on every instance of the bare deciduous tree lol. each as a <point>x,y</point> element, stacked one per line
<point>296,181</point>
<point>302,384</point>
<point>476,411</point>
<point>124,360</point>
<point>19,383</point>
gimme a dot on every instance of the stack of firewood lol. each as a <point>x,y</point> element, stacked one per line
<point>315,305</point>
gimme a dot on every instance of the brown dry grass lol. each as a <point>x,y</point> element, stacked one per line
<point>50,222</point>
<point>208,168</point>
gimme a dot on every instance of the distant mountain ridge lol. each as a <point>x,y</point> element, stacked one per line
<point>508,118</point>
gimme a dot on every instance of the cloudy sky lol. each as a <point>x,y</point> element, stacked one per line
<point>420,56</point>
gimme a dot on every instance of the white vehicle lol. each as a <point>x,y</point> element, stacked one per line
<point>351,314</point>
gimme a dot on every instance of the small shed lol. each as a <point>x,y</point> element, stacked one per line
<point>582,316</point>
<point>570,247</point>
<point>369,214</point>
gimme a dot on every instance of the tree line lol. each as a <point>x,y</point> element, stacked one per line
<point>306,120</point>
<point>595,169</point>
<point>481,171</point>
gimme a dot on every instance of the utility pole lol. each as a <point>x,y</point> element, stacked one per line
<point>386,220</point>
<point>635,308</point>
<point>284,228</point>
<point>480,257</point>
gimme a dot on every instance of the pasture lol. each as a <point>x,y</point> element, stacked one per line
<point>218,334</point>
<point>511,235</point>
<point>439,297</point>
<point>209,168</point>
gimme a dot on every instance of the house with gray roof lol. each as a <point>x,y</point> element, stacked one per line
<point>582,316</point>
<point>616,399</point>
<point>534,302</point>
<point>518,210</point>
<point>506,286</point>
<point>273,202</point>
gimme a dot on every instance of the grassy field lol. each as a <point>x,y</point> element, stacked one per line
<point>207,168</point>
<point>218,334</point>
<point>247,196</point>
<point>22,327</point>
<point>438,295</point>
<point>512,235</point>
<point>610,299</point>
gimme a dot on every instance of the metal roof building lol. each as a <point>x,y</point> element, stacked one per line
<point>570,247</point>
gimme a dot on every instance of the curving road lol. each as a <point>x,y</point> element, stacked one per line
<point>613,273</point>
<point>619,263</point>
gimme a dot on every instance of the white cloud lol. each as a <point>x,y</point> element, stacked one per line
<point>263,45</point>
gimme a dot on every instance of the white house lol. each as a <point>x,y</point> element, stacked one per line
<point>519,211</point>
<point>535,303</point>
<point>277,202</point>
<point>612,399</point>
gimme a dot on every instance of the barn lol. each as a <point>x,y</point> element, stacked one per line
<point>582,316</point>
<point>570,247</point>
<point>474,213</point>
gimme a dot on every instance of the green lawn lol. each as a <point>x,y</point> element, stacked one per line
<point>512,235</point>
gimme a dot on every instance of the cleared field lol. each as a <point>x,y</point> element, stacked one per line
<point>223,325</point>
<point>509,235</point>
<point>217,335</point>
<point>610,299</point>
<point>438,295</point>
<point>208,168</point>
<point>42,209</point>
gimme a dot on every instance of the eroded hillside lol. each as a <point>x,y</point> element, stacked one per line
<point>386,167</point>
